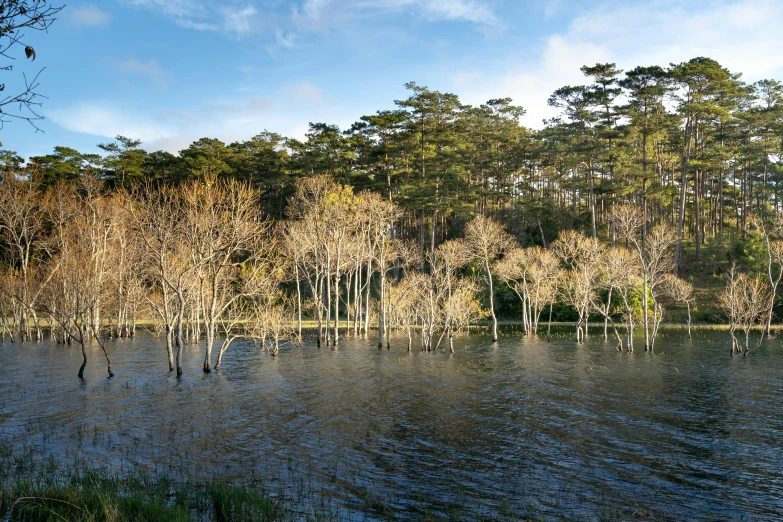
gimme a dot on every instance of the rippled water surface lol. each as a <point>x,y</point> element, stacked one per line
<point>522,426</point>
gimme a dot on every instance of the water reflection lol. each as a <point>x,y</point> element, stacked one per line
<point>687,431</point>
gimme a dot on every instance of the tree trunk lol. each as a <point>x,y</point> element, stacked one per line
<point>178,331</point>
<point>491,301</point>
<point>381,307</point>
<point>367,299</point>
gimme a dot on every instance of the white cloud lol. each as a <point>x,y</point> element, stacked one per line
<point>179,9</point>
<point>466,10</point>
<point>205,16</point>
<point>530,85</point>
<point>285,39</point>
<point>238,21</point>
<point>742,35</point>
<point>103,120</point>
<point>229,119</point>
<point>324,14</point>
<point>151,69</point>
<point>88,15</point>
<point>306,94</point>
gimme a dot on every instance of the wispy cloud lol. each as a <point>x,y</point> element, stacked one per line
<point>465,10</point>
<point>150,69</point>
<point>205,15</point>
<point>238,19</point>
<point>178,9</point>
<point>287,111</point>
<point>305,94</point>
<point>105,120</point>
<point>285,40</point>
<point>325,14</point>
<point>88,15</point>
<point>742,35</point>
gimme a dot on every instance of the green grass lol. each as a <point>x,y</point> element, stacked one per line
<point>34,489</point>
<point>96,497</point>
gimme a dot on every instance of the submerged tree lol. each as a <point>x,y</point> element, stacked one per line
<point>745,299</point>
<point>653,253</point>
<point>583,256</point>
<point>486,240</point>
<point>682,292</point>
<point>532,273</point>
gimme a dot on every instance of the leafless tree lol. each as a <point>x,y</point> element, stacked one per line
<point>771,231</point>
<point>653,250</point>
<point>157,218</point>
<point>379,215</point>
<point>620,273</point>
<point>24,230</point>
<point>583,256</point>
<point>17,17</point>
<point>223,230</point>
<point>486,240</point>
<point>532,274</point>
<point>79,269</point>
<point>745,299</point>
<point>681,291</point>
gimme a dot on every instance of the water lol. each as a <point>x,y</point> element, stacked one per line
<point>525,426</point>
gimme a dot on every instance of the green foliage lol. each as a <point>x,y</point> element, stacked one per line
<point>750,252</point>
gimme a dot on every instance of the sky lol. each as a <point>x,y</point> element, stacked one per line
<point>169,72</point>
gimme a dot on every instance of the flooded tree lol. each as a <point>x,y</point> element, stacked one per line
<point>222,230</point>
<point>79,268</point>
<point>583,256</point>
<point>158,220</point>
<point>681,291</point>
<point>619,275</point>
<point>532,274</point>
<point>745,299</point>
<point>25,237</point>
<point>462,309</point>
<point>379,216</point>
<point>404,298</point>
<point>486,239</point>
<point>771,231</point>
<point>656,261</point>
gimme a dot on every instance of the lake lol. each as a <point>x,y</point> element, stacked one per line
<point>552,429</point>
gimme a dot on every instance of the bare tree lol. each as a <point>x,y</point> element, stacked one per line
<point>771,232</point>
<point>681,291</point>
<point>223,230</point>
<point>461,309</point>
<point>745,299</point>
<point>24,230</point>
<point>16,17</point>
<point>79,269</point>
<point>583,256</point>
<point>158,218</point>
<point>653,250</point>
<point>620,272</point>
<point>487,239</point>
<point>379,215</point>
<point>404,297</point>
<point>532,274</point>
<point>309,207</point>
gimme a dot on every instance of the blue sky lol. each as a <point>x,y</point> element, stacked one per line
<point>171,71</point>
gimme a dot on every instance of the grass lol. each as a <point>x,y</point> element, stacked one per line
<point>34,489</point>
<point>93,496</point>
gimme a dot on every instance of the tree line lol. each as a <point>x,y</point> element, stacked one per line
<point>396,222</point>
<point>691,144</point>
